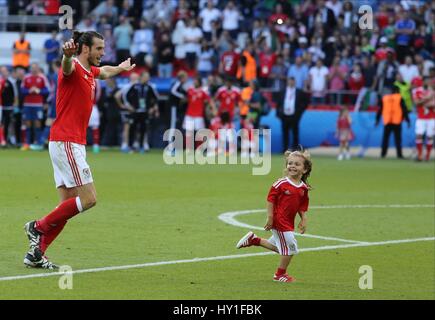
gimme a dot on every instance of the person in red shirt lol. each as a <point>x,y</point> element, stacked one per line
<point>425,124</point>
<point>229,61</point>
<point>33,88</point>
<point>197,99</point>
<point>344,133</point>
<point>228,98</point>
<point>267,60</point>
<point>287,197</point>
<point>73,178</point>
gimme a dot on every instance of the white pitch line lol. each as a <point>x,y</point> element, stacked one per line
<point>236,256</point>
<point>229,217</point>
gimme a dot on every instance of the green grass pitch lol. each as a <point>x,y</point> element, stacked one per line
<point>149,212</point>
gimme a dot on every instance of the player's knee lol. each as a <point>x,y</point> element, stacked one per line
<point>89,202</point>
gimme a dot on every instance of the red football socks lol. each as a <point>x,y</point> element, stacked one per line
<point>419,145</point>
<point>58,216</point>
<point>280,271</point>
<point>48,238</point>
<point>256,241</point>
<point>96,136</point>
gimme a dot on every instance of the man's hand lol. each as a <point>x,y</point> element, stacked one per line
<point>126,65</point>
<point>69,48</point>
<point>302,226</point>
<point>269,223</point>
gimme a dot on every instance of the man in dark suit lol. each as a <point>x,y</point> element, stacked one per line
<point>292,105</point>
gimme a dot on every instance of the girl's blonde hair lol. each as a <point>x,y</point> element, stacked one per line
<point>308,164</point>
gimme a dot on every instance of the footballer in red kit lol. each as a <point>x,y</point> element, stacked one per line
<point>287,197</point>
<point>425,123</point>
<point>72,174</point>
<point>228,97</point>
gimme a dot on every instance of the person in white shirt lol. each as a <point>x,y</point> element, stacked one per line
<point>408,70</point>
<point>207,16</point>
<point>318,82</point>
<point>143,42</point>
<point>230,19</point>
<point>192,37</point>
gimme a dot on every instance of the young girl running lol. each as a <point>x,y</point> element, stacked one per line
<point>287,197</point>
<point>344,133</point>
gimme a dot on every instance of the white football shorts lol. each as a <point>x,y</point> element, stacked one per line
<point>69,164</point>
<point>425,126</point>
<point>94,120</point>
<point>193,123</point>
<point>285,242</point>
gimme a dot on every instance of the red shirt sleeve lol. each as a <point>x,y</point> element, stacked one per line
<point>95,71</point>
<point>304,201</point>
<point>273,194</point>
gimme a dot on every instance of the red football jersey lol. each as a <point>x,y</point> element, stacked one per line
<point>196,98</point>
<point>266,60</point>
<point>228,99</point>
<point>230,62</point>
<point>422,112</point>
<point>74,100</point>
<point>288,199</point>
<point>34,99</point>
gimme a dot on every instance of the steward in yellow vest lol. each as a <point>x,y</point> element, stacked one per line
<point>21,54</point>
<point>393,111</point>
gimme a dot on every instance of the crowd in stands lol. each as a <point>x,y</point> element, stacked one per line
<point>257,44</point>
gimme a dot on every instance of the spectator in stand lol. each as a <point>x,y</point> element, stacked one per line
<point>143,42</point>
<point>368,73</point>
<point>408,70</point>
<point>129,10</point>
<point>4,12</point>
<point>21,53</point>
<point>278,18</point>
<point>229,61</point>
<point>162,10</point>
<point>382,16</point>
<point>51,49</point>
<point>355,81</point>
<point>424,64</point>
<point>165,55</point>
<point>336,79</point>
<point>386,74</point>
<point>405,28</point>
<point>404,90</point>
<point>278,75</point>
<point>87,24</point>
<point>230,19</point>
<point>182,12</point>
<point>122,34</point>
<point>316,49</point>
<point>192,43</point>
<point>177,39</point>
<point>299,71</point>
<point>207,16</point>
<point>303,47</point>
<point>109,57</point>
<point>205,60</point>
<point>336,6</point>
<point>109,9</point>
<point>266,61</point>
<point>349,17</point>
<point>318,82</point>
<point>325,16</point>
<point>382,50</point>
<point>366,47</point>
